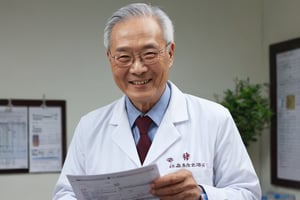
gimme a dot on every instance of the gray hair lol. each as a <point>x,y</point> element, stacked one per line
<point>137,10</point>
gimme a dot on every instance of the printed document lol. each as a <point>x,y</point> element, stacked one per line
<point>288,115</point>
<point>45,134</point>
<point>13,138</point>
<point>127,185</point>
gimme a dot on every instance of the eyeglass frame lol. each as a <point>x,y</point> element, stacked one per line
<point>139,54</point>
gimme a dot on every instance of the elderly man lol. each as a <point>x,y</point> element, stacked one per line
<point>193,141</point>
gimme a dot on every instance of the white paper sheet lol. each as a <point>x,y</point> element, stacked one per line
<point>45,135</point>
<point>13,138</point>
<point>126,185</point>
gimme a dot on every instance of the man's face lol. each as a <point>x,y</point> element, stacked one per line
<point>142,83</point>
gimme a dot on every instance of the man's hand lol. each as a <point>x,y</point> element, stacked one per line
<point>179,185</point>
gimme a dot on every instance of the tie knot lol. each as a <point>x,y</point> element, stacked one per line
<point>143,123</point>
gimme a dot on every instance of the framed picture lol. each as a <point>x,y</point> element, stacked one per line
<point>285,104</point>
<point>32,135</point>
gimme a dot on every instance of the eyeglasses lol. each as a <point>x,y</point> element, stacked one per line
<point>147,57</point>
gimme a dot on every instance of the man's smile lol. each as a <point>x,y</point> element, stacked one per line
<point>142,82</point>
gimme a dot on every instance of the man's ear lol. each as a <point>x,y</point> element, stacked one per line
<point>171,51</point>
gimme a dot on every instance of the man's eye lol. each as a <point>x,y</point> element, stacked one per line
<point>149,55</point>
<point>124,58</point>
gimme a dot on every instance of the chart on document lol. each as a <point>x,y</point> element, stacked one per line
<point>13,138</point>
<point>45,135</point>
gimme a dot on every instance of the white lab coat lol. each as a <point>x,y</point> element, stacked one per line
<point>195,134</point>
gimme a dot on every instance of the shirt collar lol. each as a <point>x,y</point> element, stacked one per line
<point>157,111</point>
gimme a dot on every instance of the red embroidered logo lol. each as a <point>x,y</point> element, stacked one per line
<point>186,156</point>
<point>186,163</point>
<point>170,160</point>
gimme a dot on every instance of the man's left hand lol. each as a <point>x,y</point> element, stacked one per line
<point>176,186</point>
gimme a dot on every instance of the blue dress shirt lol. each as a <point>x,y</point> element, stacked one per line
<point>156,114</point>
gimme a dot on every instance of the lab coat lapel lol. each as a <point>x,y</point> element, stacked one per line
<point>166,136</point>
<point>121,134</point>
<point>168,133</point>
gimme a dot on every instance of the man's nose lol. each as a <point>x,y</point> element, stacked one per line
<point>138,66</point>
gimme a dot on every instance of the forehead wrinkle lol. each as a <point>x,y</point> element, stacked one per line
<point>144,47</point>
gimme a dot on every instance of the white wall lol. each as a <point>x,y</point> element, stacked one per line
<point>281,21</point>
<point>54,47</point>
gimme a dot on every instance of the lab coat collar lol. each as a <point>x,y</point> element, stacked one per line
<point>167,133</point>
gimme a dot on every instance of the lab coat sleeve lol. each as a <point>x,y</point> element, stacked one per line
<point>73,165</point>
<point>234,175</point>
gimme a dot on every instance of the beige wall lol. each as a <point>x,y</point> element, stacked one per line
<point>55,48</point>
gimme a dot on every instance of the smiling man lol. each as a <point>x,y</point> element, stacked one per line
<point>194,142</point>
<point>140,59</point>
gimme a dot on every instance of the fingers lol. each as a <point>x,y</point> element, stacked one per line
<point>170,179</point>
<point>178,185</point>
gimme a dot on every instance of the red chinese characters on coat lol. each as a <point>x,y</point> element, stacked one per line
<point>185,163</point>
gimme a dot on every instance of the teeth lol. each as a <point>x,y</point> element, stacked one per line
<point>140,82</point>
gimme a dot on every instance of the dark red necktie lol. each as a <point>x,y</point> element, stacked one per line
<point>143,124</point>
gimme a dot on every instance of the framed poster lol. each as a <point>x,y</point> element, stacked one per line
<point>32,135</point>
<point>285,104</point>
